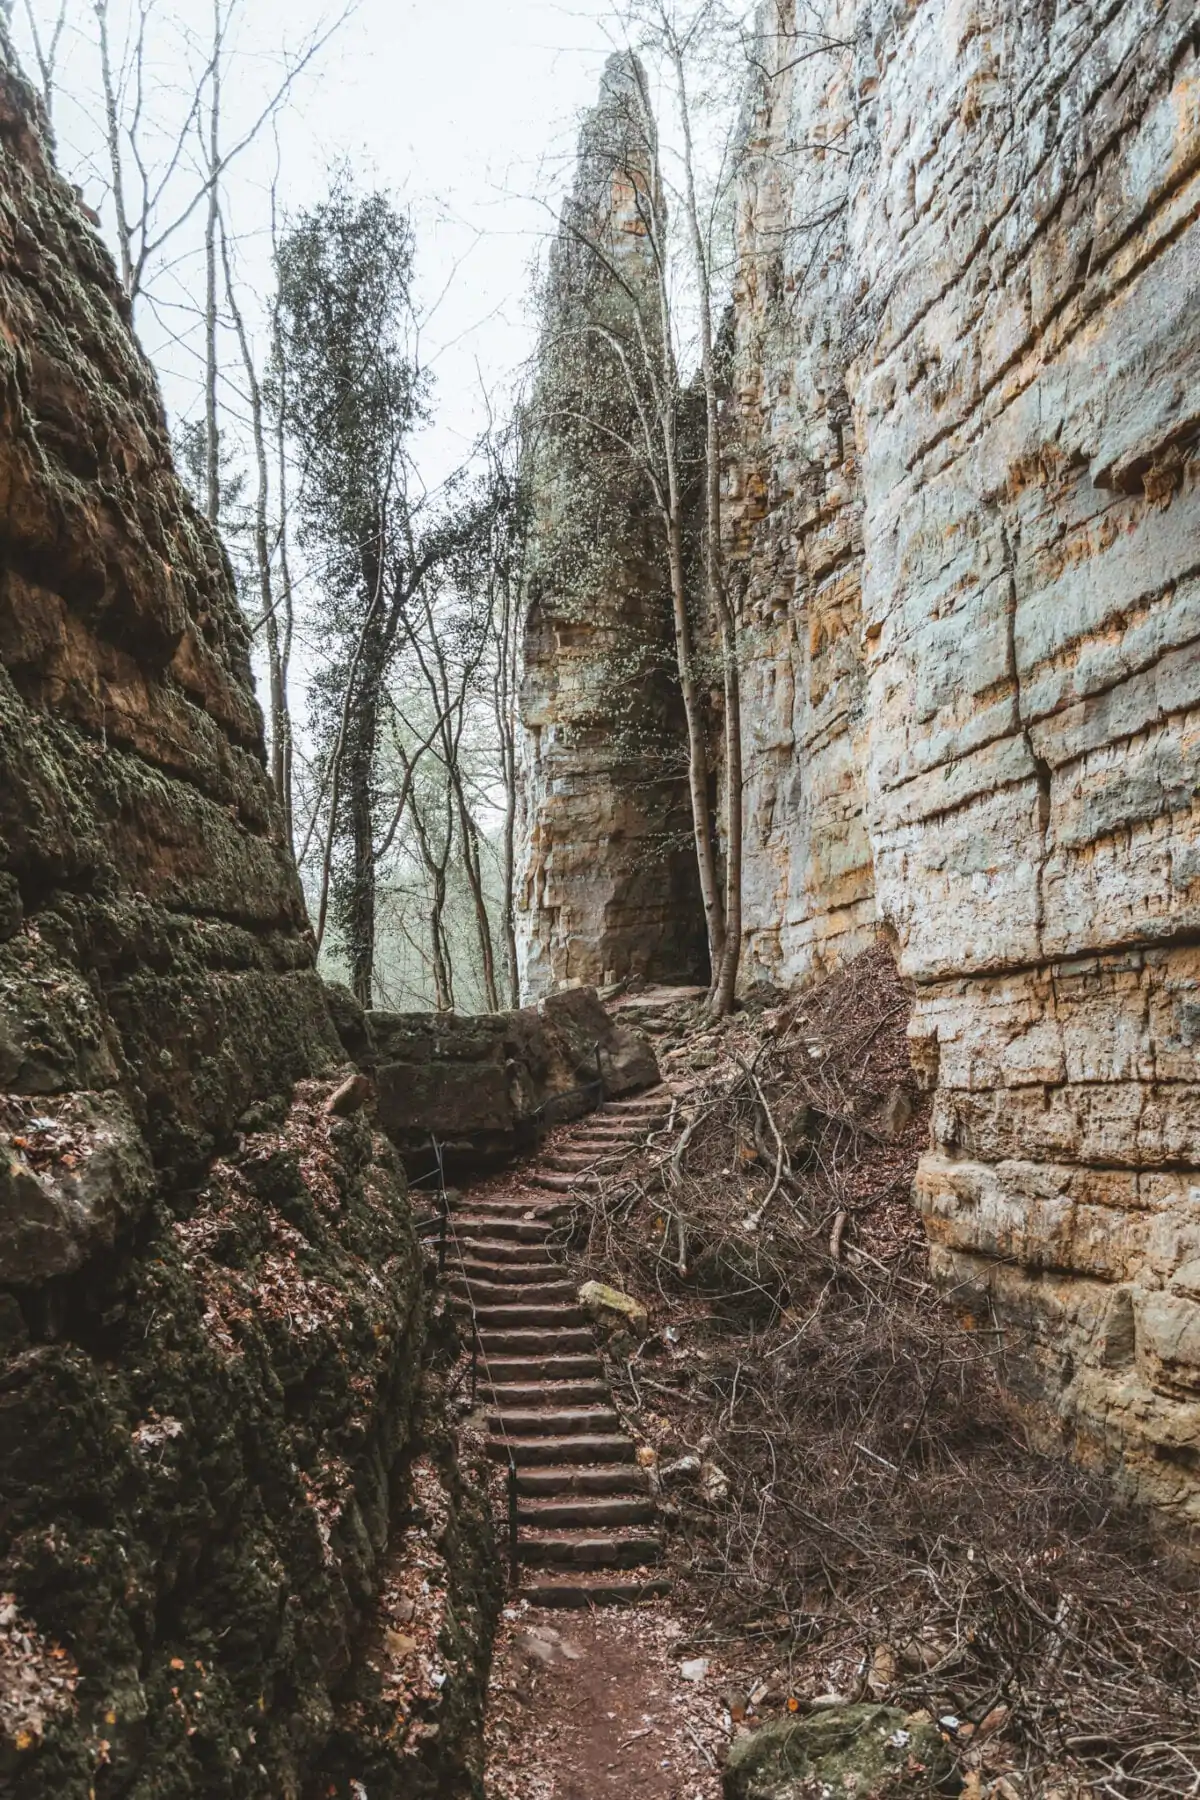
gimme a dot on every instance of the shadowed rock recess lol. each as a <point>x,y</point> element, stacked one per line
<point>211,1300</point>
<point>963,516</point>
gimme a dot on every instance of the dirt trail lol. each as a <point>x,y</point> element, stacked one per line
<point>585,1705</point>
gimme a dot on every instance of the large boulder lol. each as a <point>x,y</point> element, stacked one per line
<point>484,1085</point>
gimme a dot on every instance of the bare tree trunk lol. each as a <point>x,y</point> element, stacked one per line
<point>46,54</point>
<point>668,408</point>
<point>508,833</point>
<point>212,436</point>
<point>724,976</point>
<point>440,964</point>
<point>706,862</point>
<point>112,133</point>
<point>280,719</point>
<point>452,746</point>
<point>474,873</point>
<point>359,781</point>
<point>285,574</point>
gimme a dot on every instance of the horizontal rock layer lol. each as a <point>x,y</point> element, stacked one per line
<point>972,399</point>
<point>963,516</point>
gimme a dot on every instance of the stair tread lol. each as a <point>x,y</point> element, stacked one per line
<point>614,1447</point>
<point>591,1510</point>
<point>584,1589</point>
<point>578,1478</point>
<point>554,1421</point>
<point>515,1395</point>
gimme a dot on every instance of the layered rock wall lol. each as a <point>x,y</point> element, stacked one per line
<point>963,509</point>
<point>1008,300</point>
<point>609,886</point>
<point>793,509</point>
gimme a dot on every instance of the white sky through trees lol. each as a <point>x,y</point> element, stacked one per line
<point>466,110</point>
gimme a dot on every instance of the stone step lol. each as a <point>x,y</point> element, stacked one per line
<point>615,1447</point>
<point>553,1315</point>
<point>502,1274</point>
<point>618,1143</point>
<point>554,1421</point>
<point>496,1227</point>
<point>564,1184</point>
<point>589,1549</point>
<point>532,1292</point>
<point>510,1394</point>
<point>508,1206</point>
<point>610,1131</point>
<point>493,1251</point>
<point>584,1512</point>
<point>522,1341</point>
<point>568,1163</point>
<point>579,1591</point>
<point>583,1478</point>
<point>544,1368</point>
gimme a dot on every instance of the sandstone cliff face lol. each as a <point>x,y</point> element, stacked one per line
<point>211,1314</point>
<point>964,512</point>
<point>794,512</point>
<point>1006,297</point>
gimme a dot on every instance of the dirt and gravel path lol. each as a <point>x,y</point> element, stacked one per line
<point>587,1705</point>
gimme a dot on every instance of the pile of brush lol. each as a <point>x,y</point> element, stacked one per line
<point>858,1506</point>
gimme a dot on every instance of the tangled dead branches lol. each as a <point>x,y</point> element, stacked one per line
<point>858,1505</point>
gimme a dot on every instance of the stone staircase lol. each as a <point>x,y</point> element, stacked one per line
<point>586,1519</point>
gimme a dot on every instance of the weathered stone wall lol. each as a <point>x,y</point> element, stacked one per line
<point>211,1301</point>
<point>1007,297</point>
<point>794,511</point>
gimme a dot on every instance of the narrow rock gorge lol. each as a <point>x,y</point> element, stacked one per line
<point>268,1385</point>
<point>963,518</point>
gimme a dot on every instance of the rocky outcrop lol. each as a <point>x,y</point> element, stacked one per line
<point>485,1086</point>
<point>1000,290</point>
<point>211,1301</point>
<point>608,886</point>
<point>963,511</point>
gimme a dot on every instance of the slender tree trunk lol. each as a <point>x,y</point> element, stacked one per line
<point>706,862</point>
<point>508,866</point>
<point>359,920</point>
<point>474,873</point>
<point>280,719</point>
<point>45,54</point>
<point>668,410</point>
<point>112,132</point>
<point>285,575</point>
<point>439,951</point>
<point>724,975</point>
<point>212,436</point>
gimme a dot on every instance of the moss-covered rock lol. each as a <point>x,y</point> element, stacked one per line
<point>212,1310</point>
<point>870,1752</point>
